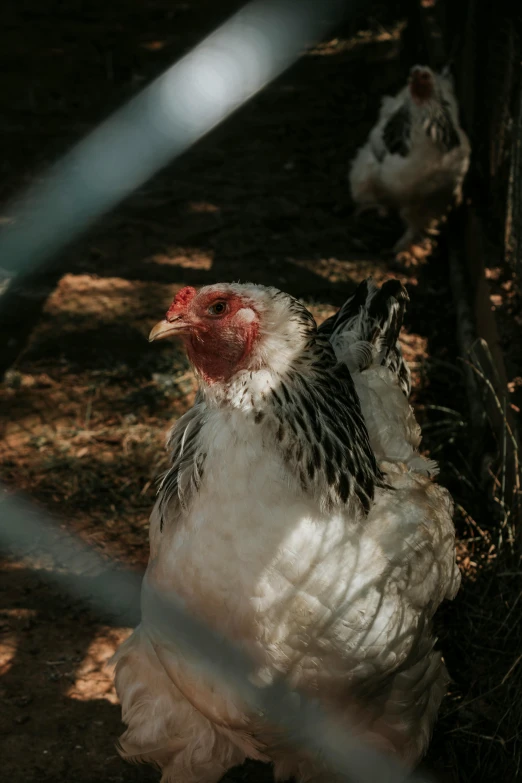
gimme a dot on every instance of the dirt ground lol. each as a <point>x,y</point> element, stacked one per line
<point>85,409</point>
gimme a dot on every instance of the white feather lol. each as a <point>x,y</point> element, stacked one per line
<point>340,603</point>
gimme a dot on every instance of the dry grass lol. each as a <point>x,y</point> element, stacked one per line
<point>479,736</point>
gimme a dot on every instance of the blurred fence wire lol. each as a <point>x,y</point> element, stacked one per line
<point>193,96</point>
<point>166,118</point>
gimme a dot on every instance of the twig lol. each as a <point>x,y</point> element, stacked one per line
<point>512,668</point>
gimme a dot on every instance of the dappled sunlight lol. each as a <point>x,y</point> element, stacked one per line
<point>103,298</point>
<point>10,622</point>
<point>319,311</point>
<point>354,270</point>
<point>153,46</point>
<point>8,646</point>
<point>337,46</point>
<point>415,351</point>
<point>199,207</point>
<point>194,260</point>
<point>84,429</point>
<point>94,676</point>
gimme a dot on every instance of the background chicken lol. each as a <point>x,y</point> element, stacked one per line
<point>416,156</point>
<point>298,519</point>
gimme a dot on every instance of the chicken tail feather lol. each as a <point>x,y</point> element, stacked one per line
<point>368,327</point>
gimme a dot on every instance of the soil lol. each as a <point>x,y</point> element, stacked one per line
<point>85,408</point>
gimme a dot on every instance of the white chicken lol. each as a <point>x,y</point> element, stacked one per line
<point>299,519</point>
<point>416,156</point>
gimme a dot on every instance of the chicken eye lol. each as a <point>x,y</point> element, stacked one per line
<point>218,308</point>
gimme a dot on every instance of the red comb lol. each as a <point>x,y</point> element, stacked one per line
<point>181,300</point>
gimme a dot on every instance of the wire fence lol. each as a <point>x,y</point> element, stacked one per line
<point>489,67</point>
<point>177,109</point>
<point>491,57</point>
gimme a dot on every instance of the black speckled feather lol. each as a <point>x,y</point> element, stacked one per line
<point>375,316</point>
<point>396,133</point>
<point>320,430</point>
<point>185,475</point>
<point>440,128</point>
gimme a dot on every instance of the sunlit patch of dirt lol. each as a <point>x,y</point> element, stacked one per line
<point>83,428</point>
<point>11,621</point>
<point>362,38</point>
<point>196,260</point>
<point>8,648</point>
<point>94,676</point>
<point>319,311</point>
<point>203,206</point>
<point>102,298</point>
<point>154,46</point>
<point>338,270</point>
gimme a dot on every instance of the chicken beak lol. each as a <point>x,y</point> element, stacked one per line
<point>168,328</point>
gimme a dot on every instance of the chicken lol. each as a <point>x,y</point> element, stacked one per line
<point>416,156</point>
<point>299,519</point>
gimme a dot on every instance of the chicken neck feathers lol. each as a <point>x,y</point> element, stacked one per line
<point>310,415</point>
